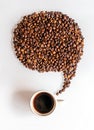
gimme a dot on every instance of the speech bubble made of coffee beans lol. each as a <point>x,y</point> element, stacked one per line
<point>49,41</point>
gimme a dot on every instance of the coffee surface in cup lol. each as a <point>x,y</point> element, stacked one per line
<point>43,102</point>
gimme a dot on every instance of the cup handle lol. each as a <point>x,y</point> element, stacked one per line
<point>60,100</point>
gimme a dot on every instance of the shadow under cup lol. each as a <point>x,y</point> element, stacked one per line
<point>43,103</point>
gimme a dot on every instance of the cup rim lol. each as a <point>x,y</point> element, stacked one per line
<point>35,111</point>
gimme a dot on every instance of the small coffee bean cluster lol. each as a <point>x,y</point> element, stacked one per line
<point>49,41</point>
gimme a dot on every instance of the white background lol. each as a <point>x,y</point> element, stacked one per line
<point>17,83</point>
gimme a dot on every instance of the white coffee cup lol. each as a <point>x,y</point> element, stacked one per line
<point>43,103</point>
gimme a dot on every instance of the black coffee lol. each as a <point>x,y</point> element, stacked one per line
<point>43,102</point>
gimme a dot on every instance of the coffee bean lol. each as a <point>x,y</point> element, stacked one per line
<point>49,41</point>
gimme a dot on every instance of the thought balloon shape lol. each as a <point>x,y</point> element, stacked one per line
<point>49,41</point>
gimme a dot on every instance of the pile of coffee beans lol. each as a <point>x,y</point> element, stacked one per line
<point>49,41</point>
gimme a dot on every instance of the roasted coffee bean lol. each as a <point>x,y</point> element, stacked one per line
<point>49,41</point>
